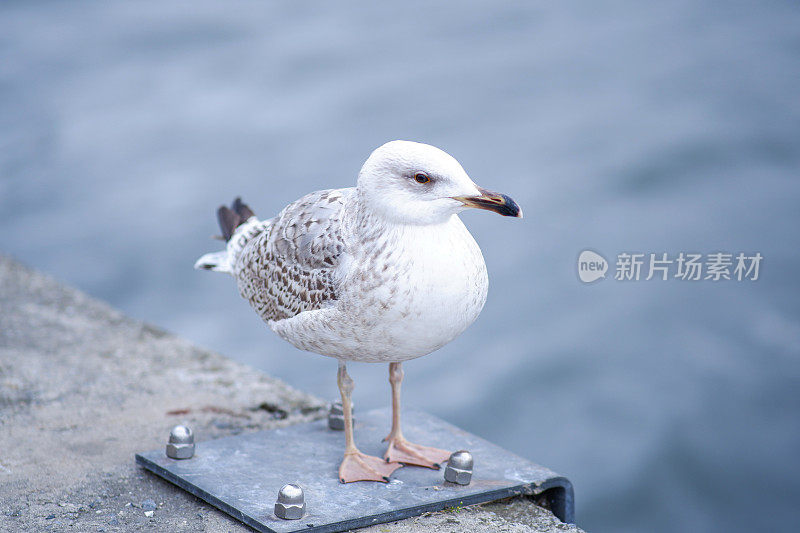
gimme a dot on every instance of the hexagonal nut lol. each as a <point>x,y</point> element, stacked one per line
<point>336,416</point>
<point>336,422</point>
<point>289,511</point>
<point>461,460</point>
<point>457,475</point>
<point>180,451</point>
<point>181,434</point>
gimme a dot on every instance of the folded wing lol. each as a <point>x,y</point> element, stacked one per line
<point>291,266</point>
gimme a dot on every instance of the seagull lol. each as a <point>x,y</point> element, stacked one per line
<point>382,272</point>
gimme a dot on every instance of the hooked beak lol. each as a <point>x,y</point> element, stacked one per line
<point>492,201</point>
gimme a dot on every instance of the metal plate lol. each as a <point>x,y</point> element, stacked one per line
<point>241,475</point>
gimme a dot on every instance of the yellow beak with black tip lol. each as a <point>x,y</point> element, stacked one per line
<point>492,201</point>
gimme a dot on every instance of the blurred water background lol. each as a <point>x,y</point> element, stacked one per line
<point>620,126</point>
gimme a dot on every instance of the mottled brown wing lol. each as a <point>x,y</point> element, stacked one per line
<point>290,266</point>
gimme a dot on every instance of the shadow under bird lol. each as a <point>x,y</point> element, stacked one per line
<point>382,272</point>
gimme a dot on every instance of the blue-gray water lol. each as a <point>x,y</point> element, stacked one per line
<point>622,126</point>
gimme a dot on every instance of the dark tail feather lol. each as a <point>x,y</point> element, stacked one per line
<point>228,220</point>
<point>242,209</point>
<point>233,217</point>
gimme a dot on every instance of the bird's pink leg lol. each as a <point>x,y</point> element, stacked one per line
<point>400,450</point>
<point>357,466</point>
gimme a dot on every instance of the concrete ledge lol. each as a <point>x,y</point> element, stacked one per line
<point>82,388</point>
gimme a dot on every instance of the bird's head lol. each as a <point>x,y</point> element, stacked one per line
<point>413,183</point>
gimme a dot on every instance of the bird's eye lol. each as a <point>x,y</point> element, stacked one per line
<point>421,177</point>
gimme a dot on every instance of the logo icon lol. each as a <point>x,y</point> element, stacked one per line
<point>591,266</point>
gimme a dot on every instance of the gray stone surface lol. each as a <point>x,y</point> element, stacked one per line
<point>82,388</point>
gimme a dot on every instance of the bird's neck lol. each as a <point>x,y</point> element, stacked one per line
<point>369,225</point>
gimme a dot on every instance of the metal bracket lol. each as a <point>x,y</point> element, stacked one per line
<point>241,475</point>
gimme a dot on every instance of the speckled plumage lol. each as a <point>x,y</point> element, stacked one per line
<point>289,265</point>
<point>330,278</point>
